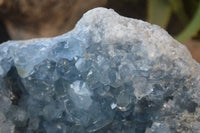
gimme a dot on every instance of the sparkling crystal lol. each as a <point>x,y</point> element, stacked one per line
<point>111,74</point>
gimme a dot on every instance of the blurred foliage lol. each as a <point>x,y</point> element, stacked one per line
<point>181,18</point>
<point>159,12</point>
<point>187,11</point>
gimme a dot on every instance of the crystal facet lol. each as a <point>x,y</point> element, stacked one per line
<point>111,74</point>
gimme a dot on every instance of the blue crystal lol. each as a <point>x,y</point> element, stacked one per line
<point>110,74</point>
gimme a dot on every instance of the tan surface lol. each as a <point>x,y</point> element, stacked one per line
<point>194,47</point>
<point>26,19</point>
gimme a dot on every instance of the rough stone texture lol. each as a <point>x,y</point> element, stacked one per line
<point>111,74</point>
<point>27,19</point>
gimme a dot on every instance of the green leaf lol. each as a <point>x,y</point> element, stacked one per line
<point>159,12</point>
<point>178,9</point>
<point>192,29</point>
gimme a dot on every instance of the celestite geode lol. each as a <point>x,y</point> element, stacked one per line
<point>111,74</point>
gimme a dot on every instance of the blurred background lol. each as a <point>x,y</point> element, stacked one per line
<point>25,19</point>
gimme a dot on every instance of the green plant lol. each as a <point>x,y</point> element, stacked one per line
<point>160,12</point>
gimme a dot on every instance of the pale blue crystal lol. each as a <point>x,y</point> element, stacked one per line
<point>110,74</point>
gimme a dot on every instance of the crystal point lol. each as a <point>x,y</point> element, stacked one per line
<point>110,74</point>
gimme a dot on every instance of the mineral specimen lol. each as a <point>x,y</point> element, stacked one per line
<point>111,74</point>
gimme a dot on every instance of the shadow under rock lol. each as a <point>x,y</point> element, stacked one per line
<point>3,33</point>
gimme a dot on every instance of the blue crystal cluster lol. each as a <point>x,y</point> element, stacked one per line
<point>110,74</point>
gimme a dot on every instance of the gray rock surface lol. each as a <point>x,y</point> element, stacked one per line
<point>111,74</point>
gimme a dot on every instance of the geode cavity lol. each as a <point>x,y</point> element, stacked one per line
<point>111,74</point>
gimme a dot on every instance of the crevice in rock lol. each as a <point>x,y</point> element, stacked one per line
<point>14,84</point>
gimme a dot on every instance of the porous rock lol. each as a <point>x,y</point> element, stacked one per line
<point>111,74</point>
